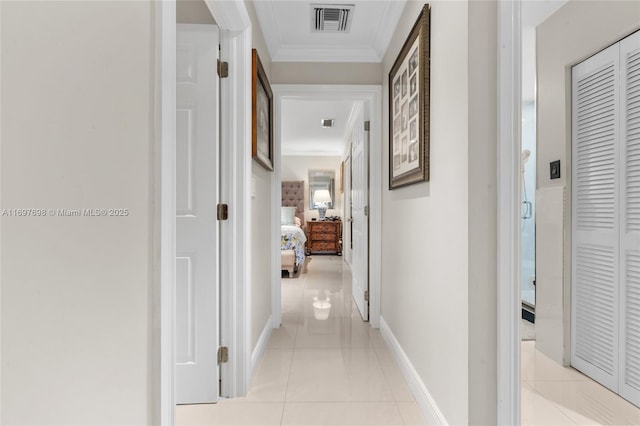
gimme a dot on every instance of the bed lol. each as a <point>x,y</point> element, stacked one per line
<point>293,238</point>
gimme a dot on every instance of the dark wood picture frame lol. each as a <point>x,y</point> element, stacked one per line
<point>261,114</point>
<point>409,101</point>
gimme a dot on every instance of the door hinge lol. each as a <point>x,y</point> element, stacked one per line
<point>223,212</point>
<point>367,125</point>
<point>223,354</point>
<point>366,296</point>
<point>366,210</point>
<point>223,69</point>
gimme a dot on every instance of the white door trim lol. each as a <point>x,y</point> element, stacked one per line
<point>371,95</point>
<point>235,32</point>
<point>509,301</point>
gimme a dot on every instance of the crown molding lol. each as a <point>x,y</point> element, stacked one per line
<point>393,12</point>
<point>268,24</point>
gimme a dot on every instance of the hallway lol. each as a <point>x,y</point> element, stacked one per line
<point>337,371</point>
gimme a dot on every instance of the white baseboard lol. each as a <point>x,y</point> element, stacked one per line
<point>427,405</point>
<point>261,345</point>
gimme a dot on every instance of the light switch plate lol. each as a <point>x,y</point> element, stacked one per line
<point>554,169</point>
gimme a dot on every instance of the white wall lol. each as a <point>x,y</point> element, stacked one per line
<point>77,132</point>
<point>193,12</point>
<point>576,31</point>
<point>425,233</point>
<point>439,237</point>
<point>483,202</point>
<point>261,241</point>
<point>326,73</point>
<point>296,168</point>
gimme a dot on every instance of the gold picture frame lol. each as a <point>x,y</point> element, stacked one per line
<point>409,97</point>
<point>261,114</point>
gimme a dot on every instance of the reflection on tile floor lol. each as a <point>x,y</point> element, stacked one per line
<point>556,395</point>
<point>334,371</point>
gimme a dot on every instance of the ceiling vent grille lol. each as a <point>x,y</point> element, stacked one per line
<point>331,18</point>
<point>327,122</point>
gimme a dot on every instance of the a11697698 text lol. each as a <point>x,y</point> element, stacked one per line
<point>57,212</point>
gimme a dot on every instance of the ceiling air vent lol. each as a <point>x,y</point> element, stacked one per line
<point>327,122</point>
<point>331,18</point>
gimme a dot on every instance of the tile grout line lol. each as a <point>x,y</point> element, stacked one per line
<point>293,351</point>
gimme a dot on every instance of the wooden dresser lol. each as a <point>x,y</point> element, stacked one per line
<point>324,237</point>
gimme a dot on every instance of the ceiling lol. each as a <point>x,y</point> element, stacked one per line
<point>287,29</point>
<point>302,133</point>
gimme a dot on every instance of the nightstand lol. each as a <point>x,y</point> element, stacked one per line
<point>324,237</point>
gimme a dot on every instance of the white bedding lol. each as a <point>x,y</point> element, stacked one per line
<point>293,238</point>
<point>292,229</point>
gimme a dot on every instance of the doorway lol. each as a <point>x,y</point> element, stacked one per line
<point>369,97</point>
<point>235,161</point>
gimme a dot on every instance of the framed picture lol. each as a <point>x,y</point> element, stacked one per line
<point>409,107</point>
<point>261,114</point>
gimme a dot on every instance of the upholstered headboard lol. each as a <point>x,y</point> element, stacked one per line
<point>293,196</point>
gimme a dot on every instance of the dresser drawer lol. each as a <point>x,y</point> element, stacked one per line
<point>323,236</point>
<point>324,246</point>
<point>324,227</point>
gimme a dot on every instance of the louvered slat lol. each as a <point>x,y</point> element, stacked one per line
<point>632,319</point>
<point>632,146</point>
<point>595,159</point>
<point>595,307</point>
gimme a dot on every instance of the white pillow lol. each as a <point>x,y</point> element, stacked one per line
<point>297,221</point>
<point>286,215</point>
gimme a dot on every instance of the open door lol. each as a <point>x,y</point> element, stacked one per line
<point>348,226</point>
<point>197,169</point>
<point>360,218</point>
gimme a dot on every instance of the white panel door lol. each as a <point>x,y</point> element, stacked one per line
<point>197,228</point>
<point>360,224</point>
<point>346,232</point>
<point>630,218</point>
<point>595,288</point>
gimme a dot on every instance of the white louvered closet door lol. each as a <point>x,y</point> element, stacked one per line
<point>595,290</point>
<point>630,218</point>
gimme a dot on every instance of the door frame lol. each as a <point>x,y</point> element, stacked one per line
<point>508,220</point>
<point>235,174</point>
<point>371,96</point>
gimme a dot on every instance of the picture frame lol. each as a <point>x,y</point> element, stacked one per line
<point>261,114</point>
<point>409,105</point>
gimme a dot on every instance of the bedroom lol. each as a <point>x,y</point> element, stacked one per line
<point>315,144</point>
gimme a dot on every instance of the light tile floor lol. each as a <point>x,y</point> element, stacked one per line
<point>557,395</point>
<point>336,371</point>
<point>339,371</point>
